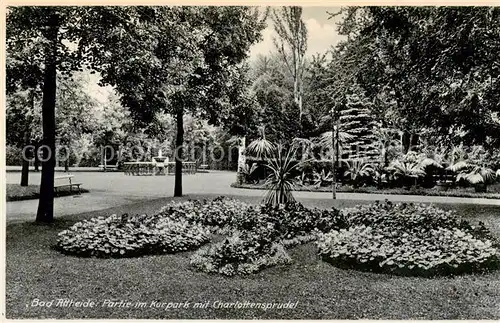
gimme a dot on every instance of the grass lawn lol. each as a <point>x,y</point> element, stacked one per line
<point>16,192</point>
<point>35,270</point>
<point>492,193</point>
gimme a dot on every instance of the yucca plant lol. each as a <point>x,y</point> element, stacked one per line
<point>357,170</point>
<point>280,182</point>
<point>261,147</point>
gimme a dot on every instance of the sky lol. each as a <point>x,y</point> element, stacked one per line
<point>322,32</point>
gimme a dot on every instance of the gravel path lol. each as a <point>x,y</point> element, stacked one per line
<point>112,189</point>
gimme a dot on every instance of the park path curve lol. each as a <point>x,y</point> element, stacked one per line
<point>112,189</point>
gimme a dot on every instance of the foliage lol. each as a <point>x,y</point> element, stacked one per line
<point>358,170</point>
<point>409,239</point>
<point>261,148</point>
<point>356,119</point>
<point>293,220</point>
<point>239,255</point>
<point>219,212</point>
<point>438,251</point>
<point>406,170</point>
<point>248,171</point>
<point>291,45</point>
<point>128,236</point>
<point>23,117</point>
<point>280,182</point>
<point>284,221</point>
<point>477,175</point>
<point>325,140</point>
<point>322,178</point>
<point>302,179</point>
<point>258,236</point>
<point>13,155</point>
<point>446,84</point>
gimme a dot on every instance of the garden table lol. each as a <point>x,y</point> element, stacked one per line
<point>152,168</point>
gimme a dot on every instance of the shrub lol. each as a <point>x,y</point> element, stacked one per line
<point>411,217</point>
<point>408,239</point>
<point>440,251</point>
<point>124,236</point>
<point>287,220</point>
<point>240,254</point>
<point>293,219</point>
<point>219,212</point>
<point>13,156</point>
<point>400,215</point>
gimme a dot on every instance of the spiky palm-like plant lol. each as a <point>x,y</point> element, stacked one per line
<point>325,140</point>
<point>261,147</point>
<point>358,169</point>
<point>322,178</point>
<point>478,175</point>
<point>280,182</point>
<point>409,171</point>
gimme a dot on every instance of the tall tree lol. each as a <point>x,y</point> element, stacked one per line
<point>179,60</point>
<point>56,29</point>
<point>24,75</point>
<point>449,81</point>
<point>23,122</point>
<point>74,114</point>
<point>291,44</point>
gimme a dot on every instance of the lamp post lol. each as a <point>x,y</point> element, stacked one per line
<point>335,151</point>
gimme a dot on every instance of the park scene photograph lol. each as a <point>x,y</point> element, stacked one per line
<point>252,162</point>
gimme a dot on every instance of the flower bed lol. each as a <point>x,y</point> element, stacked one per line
<point>260,235</point>
<point>124,236</point>
<point>408,239</point>
<point>240,254</point>
<point>218,213</point>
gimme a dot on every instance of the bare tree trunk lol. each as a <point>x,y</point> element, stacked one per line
<point>36,161</point>
<point>179,140</point>
<point>45,211</point>
<point>25,163</point>
<point>27,134</point>
<point>241,160</point>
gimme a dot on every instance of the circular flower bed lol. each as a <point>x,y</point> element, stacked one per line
<point>408,239</point>
<point>124,236</point>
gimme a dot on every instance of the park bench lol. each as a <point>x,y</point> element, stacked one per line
<point>106,167</point>
<point>59,182</point>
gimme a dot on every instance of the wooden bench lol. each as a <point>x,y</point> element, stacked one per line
<point>106,167</point>
<point>58,184</point>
